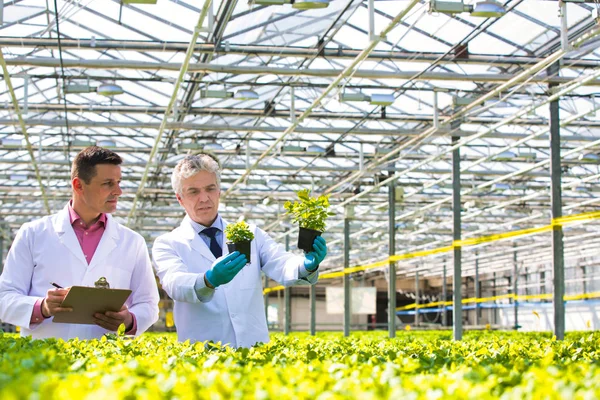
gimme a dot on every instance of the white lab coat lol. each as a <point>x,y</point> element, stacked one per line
<point>233,313</point>
<point>47,250</point>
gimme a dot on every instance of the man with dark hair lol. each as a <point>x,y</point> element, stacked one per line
<point>78,246</point>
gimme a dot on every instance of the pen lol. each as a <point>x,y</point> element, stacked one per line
<point>55,285</point>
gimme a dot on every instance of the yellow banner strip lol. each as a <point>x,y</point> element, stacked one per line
<point>588,216</point>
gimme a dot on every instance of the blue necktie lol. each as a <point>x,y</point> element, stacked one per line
<point>214,245</point>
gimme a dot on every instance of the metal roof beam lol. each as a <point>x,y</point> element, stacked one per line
<point>282,51</point>
<point>312,72</point>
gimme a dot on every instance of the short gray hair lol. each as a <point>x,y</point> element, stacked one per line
<point>191,165</point>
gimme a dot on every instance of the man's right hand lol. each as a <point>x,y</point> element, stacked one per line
<point>225,269</point>
<point>52,301</point>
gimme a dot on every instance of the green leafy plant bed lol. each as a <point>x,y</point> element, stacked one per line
<point>415,365</point>
<point>239,237</point>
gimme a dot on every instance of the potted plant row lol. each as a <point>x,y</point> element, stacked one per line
<point>310,213</point>
<point>239,237</point>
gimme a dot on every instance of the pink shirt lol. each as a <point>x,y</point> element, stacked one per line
<point>89,238</point>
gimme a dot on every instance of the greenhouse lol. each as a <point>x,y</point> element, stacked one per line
<point>451,149</point>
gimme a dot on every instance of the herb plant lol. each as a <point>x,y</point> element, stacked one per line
<point>238,232</point>
<point>309,212</point>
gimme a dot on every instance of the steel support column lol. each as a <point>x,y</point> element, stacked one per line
<point>392,266</point>
<point>477,289</point>
<point>444,297</point>
<point>287,299</point>
<point>313,309</point>
<point>557,233</point>
<point>493,310</point>
<point>457,252</point>
<point>417,297</point>
<point>515,288</point>
<point>347,293</point>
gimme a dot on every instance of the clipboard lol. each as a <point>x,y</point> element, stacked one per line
<point>86,301</point>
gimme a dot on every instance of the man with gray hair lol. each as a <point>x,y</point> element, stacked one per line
<point>218,296</point>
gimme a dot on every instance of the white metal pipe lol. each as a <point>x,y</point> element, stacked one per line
<point>371,19</point>
<point>292,105</point>
<point>281,71</point>
<point>564,29</point>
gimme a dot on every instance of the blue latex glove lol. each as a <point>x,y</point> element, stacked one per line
<point>225,269</point>
<point>314,258</point>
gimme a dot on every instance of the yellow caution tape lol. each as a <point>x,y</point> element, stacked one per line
<point>273,289</point>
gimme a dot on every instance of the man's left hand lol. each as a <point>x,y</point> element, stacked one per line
<point>314,258</point>
<point>111,320</point>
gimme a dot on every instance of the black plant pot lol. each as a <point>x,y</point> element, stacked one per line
<point>306,238</point>
<point>243,247</point>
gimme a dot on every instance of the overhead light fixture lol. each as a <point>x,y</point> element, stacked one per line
<point>488,9</point>
<point>82,143</point>
<point>292,149</point>
<point>527,155</point>
<point>382,99</point>
<point>309,4</point>
<point>505,156</point>
<point>185,147</point>
<point>246,94</point>
<point>109,89</point>
<point>106,143</point>
<point>374,99</point>
<point>297,4</point>
<point>242,94</point>
<point>500,186</point>
<point>213,147</point>
<point>78,88</point>
<point>11,143</point>
<point>484,8</point>
<point>458,101</point>
<point>315,149</point>
<point>589,157</point>
<point>274,183</point>
<point>18,177</point>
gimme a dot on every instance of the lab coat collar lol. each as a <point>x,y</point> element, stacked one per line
<point>188,232</point>
<point>64,230</point>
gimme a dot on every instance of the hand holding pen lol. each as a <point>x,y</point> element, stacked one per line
<point>51,305</point>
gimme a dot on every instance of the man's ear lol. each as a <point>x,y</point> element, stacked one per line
<point>77,185</point>
<point>178,197</point>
